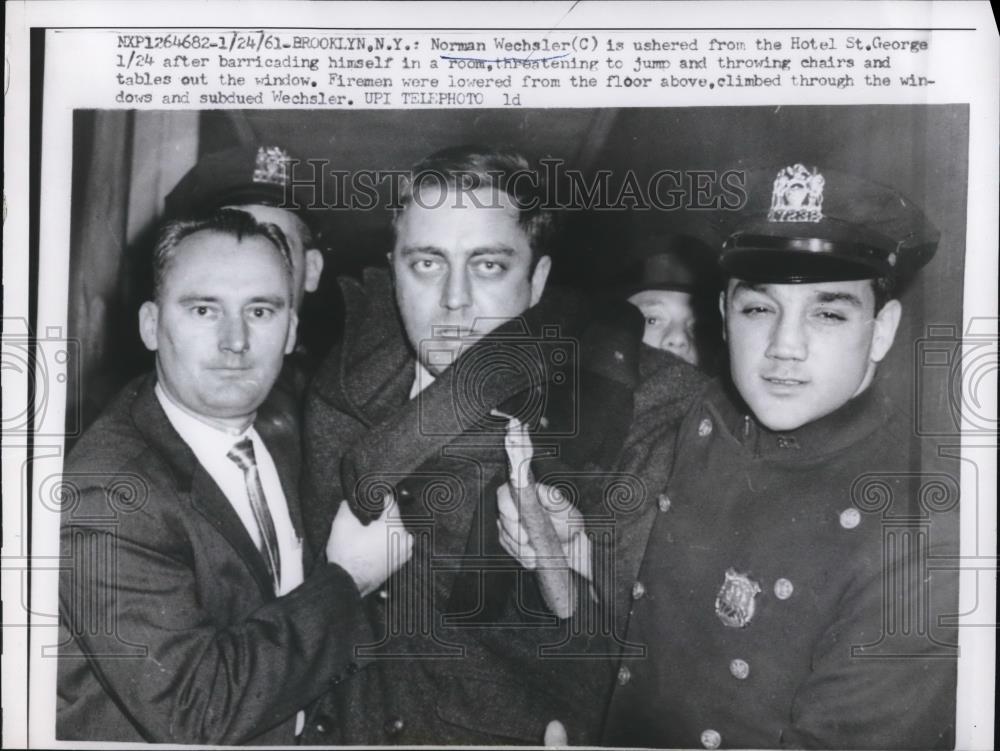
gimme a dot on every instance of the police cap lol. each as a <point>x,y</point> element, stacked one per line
<point>234,177</point>
<point>802,225</point>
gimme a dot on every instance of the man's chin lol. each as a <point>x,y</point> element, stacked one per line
<point>235,399</point>
<point>779,416</point>
<point>437,355</point>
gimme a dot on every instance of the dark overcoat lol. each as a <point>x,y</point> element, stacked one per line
<point>467,652</point>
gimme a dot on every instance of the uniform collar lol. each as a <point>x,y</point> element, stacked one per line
<point>855,420</point>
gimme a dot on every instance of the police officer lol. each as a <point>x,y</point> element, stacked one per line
<point>258,181</point>
<point>783,592</point>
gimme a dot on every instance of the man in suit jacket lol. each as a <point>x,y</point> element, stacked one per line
<point>191,613</point>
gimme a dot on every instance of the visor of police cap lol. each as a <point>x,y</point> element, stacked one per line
<point>233,177</point>
<point>802,224</point>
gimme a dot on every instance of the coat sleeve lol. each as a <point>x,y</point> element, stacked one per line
<point>133,604</point>
<point>884,672</point>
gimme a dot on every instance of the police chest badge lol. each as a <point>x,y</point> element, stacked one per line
<point>735,602</point>
<point>797,195</point>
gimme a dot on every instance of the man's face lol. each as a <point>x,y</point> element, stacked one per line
<point>461,269</point>
<point>307,263</point>
<point>800,351</point>
<point>669,321</point>
<point>221,326</point>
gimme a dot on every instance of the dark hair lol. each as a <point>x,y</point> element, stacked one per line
<point>884,291</point>
<point>468,168</point>
<point>232,222</point>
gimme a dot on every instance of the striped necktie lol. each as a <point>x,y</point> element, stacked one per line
<point>243,456</point>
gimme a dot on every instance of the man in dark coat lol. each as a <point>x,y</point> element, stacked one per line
<point>792,583</point>
<point>192,613</point>
<point>415,399</point>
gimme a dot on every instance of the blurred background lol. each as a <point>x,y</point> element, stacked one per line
<point>126,162</point>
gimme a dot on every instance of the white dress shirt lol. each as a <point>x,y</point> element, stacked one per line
<point>421,380</point>
<point>210,445</point>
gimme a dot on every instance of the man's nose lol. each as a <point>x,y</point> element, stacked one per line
<point>456,294</point>
<point>234,335</point>
<point>675,338</point>
<point>788,339</point>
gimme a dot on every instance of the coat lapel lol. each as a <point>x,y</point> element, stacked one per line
<point>194,482</point>
<point>209,501</point>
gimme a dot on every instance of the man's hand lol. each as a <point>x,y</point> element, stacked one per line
<point>369,554</point>
<point>566,519</point>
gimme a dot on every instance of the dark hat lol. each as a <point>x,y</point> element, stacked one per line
<point>671,251</point>
<point>236,176</point>
<point>802,225</point>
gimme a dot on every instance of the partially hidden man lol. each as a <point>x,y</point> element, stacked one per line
<point>463,332</point>
<point>789,585</point>
<point>193,612</point>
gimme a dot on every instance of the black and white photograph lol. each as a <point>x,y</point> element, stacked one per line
<point>762,575</point>
<point>483,426</point>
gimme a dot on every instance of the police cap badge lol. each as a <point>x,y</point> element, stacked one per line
<point>804,224</point>
<point>234,177</point>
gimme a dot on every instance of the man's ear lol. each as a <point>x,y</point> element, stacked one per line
<point>149,316</point>
<point>293,327</point>
<point>538,278</point>
<point>885,325</point>
<point>722,312</point>
<point>314,269</point>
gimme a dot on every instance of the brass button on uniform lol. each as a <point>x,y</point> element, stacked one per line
<point>638,590</point>
<point>323,724</point>
<point>663,502</point>
<point>711,738</point>
<point>705,427</point>
<point>850,518</point>
<point>740,669</point>
<point>783,589</point>
<point>395,726</point>
<point>624,676</point>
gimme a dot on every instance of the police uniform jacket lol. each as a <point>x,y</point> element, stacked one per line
<point>467,651</point>
<point>785,590</point>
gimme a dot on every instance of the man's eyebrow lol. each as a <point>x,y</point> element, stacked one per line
<point>749,287</point>
<point>494,250</point>
<point>431,250</point>
<point>847,297</point>
<point>190,299</point>
<point>274,300</point>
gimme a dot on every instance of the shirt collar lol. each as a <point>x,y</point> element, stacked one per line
<point>422,379</point>
<point>203,438</point>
